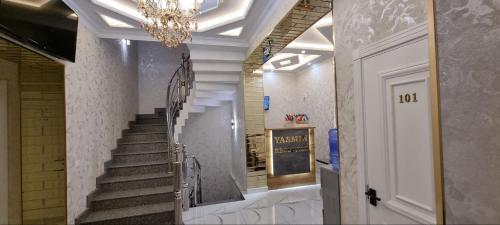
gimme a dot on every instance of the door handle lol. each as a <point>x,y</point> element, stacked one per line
<point>371,195</point>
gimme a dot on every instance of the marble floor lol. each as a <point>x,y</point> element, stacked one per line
<point>302,205</point>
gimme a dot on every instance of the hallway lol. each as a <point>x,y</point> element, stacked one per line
<point>301,205</point>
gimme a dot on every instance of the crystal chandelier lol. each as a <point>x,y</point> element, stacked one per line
<point>170,21</point>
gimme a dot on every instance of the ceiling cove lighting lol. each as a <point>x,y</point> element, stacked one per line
<point>30,3</point>
<point>311,46</point>
<point>236,14</point>
<point>233,33</point>
<point>112,22</point>
<point>121,8</point>
<point>170,21</point>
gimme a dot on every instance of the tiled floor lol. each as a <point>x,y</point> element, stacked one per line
<point>301,205</point>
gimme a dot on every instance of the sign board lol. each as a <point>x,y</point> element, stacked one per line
<point>290,152</point>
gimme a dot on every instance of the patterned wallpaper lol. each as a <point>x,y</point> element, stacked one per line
<point>208,136</point>
<point>101,97</point>
<point>358,23</point>
<point>469,48</point>
<point>310,91</point>
<point>157,64</point>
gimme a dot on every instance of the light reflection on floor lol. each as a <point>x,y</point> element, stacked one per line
<point>301,205</point>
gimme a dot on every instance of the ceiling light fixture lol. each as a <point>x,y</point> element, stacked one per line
<point>30,3</point>
<point>112,22</point>
<point>233,33</point>
<point>170,21</point>
<point>286,62</point>
<point>303,52</point>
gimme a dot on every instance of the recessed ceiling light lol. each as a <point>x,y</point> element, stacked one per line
<point>303,52</point>
<point>112,22</point>
<point>233,33</point>
<point>30,3</point>
<point>286,62</point>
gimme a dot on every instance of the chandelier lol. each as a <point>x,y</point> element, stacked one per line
<point>170,21</point>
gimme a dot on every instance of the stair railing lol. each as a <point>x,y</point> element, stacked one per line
<point>178,90</point>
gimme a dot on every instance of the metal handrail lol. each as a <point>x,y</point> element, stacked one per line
<point>178,90</point>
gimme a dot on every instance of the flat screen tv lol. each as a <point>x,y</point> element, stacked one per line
<point>47,25</point>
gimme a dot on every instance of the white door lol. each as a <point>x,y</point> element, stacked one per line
<point>4,176</point>
<point>393,83</point>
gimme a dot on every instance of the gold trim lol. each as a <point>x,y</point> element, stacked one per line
<point>436,111</point>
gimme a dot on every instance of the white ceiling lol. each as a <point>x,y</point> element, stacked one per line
<point>314,45</point>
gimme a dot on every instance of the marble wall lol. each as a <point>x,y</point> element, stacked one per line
<point>157,64</point>
<point>208,136</point>
<point>101,97</point>
<point>358,23</point>
<point>468,34</point>
<point>310,91</point>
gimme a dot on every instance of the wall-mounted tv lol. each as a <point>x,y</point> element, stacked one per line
<point>47,25</point>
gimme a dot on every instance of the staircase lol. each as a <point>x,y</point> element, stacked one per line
<point>136,188</point>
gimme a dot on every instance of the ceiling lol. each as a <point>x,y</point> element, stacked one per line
<point>314,45</point>
<point>227,21</point>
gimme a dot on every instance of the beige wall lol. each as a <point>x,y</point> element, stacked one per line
<point>358,23</point>
<point>101,97</point>
<point>4,154</point>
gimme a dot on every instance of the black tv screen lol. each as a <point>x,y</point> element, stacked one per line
<point>47,25</point>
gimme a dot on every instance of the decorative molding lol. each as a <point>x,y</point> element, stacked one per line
<point>399,38</point>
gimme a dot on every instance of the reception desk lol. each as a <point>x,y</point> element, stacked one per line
<point>290,157</point>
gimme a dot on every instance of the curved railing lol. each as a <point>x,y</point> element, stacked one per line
<point>178,90</point>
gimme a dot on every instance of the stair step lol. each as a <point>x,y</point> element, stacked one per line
<point>148,137</point>
<point>145,156</point>
<point>145,116</point>
<point>131,198</point>
<point>147,214</point>
<point>120,183</point>
<point>142,147</point>
<point>147,121</point>
<point>141,128</point>
<point>124,169</point>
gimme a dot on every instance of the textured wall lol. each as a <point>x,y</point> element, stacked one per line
<point>208,136</point>
<point>358,23</point>
<point>310,91</point>
<point>282,90</point>
<point>316,96</point>
<point>101,97</point>
<point>239,169</point>
<point>469,49</point>
<point>157,64</point>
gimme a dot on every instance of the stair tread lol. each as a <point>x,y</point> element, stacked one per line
<point>148,124</point>
<point>143,133</point>
<point>140,153</point>
<point>134,164</point>
<point>142,142</point>
<point>135,177</point>
<point>133,193</point>
<point>106,215</point>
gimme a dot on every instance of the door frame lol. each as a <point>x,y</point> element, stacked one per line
<point>416,32</point>
<point>5,86</point>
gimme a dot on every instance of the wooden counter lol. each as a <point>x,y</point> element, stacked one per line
<point>290,157</point>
